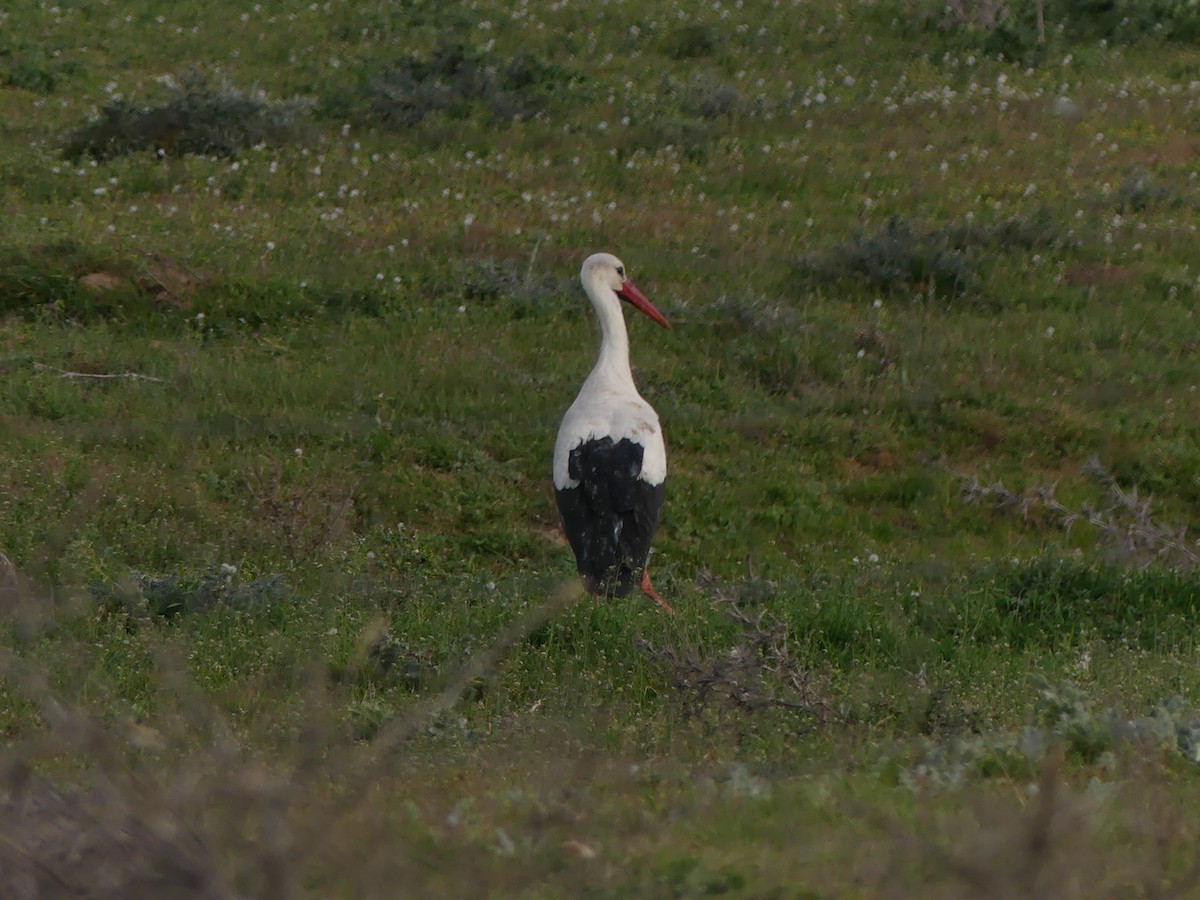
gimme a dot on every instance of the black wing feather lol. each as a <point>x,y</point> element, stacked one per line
<point>611,516</point>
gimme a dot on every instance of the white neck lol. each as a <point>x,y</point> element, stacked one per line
<point>613,363</point>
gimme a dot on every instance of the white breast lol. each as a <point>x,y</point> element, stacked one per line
<point>598,413</point>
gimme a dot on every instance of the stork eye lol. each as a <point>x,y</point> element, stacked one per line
<point>621,271</point>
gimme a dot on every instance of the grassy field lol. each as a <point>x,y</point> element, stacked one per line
<point>289,312</point>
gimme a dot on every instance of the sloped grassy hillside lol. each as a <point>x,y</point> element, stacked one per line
<point>288,314</point>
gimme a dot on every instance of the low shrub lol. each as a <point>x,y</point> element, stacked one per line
<point>945,259</point>
<point>204,115</point>
<point>454,81</point>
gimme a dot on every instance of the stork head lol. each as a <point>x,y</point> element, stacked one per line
<point>603,274</point>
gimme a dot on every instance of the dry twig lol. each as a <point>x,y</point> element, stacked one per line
<point>63,373</point>
<point>10,587</point>
<point>759,673</point>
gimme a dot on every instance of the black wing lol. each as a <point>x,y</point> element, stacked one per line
<point>611,515</point>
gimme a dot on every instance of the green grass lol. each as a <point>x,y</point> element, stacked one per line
<point>344,326</point>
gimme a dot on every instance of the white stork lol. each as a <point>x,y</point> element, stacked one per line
<point>610,462</point>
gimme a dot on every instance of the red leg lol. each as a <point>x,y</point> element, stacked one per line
<point>649,591</point>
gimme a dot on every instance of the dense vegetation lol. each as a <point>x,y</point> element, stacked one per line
<point>289,312</point>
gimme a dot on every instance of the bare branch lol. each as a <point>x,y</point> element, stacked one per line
<point>760,672</point>
<point>1128,533</point>
<point>63,373</point>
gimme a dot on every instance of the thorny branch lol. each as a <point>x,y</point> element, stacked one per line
<point>1128,532</point>
<point>760,672</point>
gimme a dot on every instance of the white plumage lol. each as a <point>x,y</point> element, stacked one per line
<point>599,412</point>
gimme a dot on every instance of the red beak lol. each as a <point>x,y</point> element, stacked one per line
<point>629,291</point>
